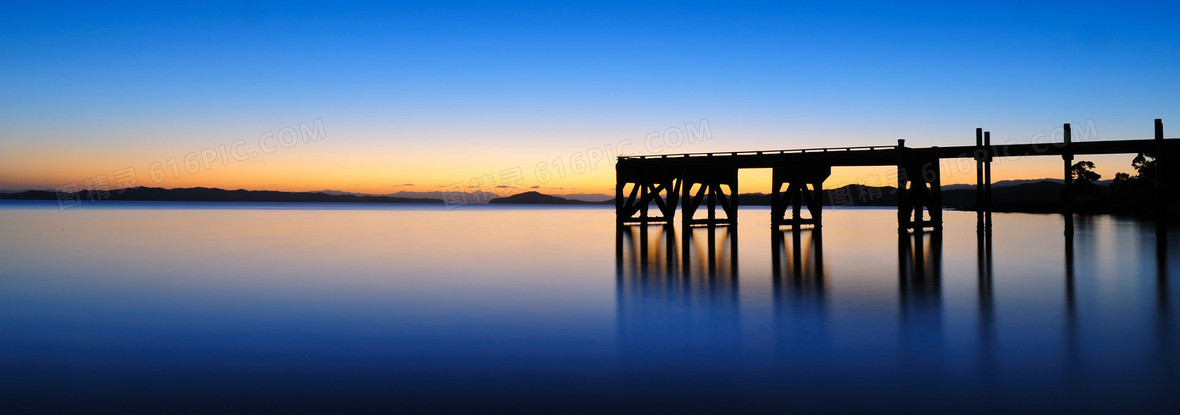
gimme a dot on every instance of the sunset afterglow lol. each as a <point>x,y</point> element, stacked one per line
<point>436,95</point>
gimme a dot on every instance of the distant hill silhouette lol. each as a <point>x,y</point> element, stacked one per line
<point>1014,196</point>
<point>588,197</point>
<point>205,194</point>
<point>535,198</point>
<point>470,197</point>
<point>476,197</point>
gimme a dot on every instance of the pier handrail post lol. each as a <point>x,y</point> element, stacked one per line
<point>1067,191</point>
<point>1162,164</point>
<point>903,203</point>
<point>619,193</point>
<point>979,157</point>
<point>987,182</point>
<point>935,205</point>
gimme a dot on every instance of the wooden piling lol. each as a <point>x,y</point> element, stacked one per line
<point>1162,184</point>
<point>1067,191</point>
<point>980,154</point>
<point>987,182</point>
<point>903,200</point>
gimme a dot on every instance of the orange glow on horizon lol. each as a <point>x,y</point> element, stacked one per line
<point>386,171</point>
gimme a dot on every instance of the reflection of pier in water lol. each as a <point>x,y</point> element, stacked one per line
<point>919,268</point>
<point>987,320</point>
<point>800,298</point>
<point>797,259</point>
<point>698,267</point>
<point>690,280</point>
<point>682,286</point>
<point>656,253</point>
<point>702,262</point>
<point>919,282</point>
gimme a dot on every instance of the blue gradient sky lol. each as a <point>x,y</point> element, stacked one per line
<point>436,93</point>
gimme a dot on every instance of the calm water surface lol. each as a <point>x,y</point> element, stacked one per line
<point>237,307</point>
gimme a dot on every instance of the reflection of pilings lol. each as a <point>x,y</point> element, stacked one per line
<point>707,256</point>
<point>1161,279</point>
<point>987,325</point>
<point>619,231</point>
<point>1069,274</point>
<point>652,252</point>
<point>646,251</point>
<point>797,263</point>
<point>802,253</point>
<point>920,269</point>
<point>1071,316</point>
<point>658,291</point>
<point>1164,328</point>
<point>920,299</point>
<point>713,259</point>
<point>984,256</point>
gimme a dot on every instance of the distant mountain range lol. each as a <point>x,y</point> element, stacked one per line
<point>204,194</point>
<point>463,197</point>
<point>1013,195</point>
<point>476,197</point>
<point>1010,183</point>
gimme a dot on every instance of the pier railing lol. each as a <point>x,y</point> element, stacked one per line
<point>758,152</point>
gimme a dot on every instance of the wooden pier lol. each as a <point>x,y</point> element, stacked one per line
<point>709,181</point>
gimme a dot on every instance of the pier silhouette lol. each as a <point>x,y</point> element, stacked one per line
<point>705,185</point>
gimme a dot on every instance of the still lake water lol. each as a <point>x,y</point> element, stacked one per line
<point>227,307</point>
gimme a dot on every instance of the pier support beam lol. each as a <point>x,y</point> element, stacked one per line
<point>647,186</point>
<point>919,186</point>
<point>803,187</point>
<point>714,186</point>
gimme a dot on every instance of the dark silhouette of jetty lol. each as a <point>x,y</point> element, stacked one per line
<point>709,181</point>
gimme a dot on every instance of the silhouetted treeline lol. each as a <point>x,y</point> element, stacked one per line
<point>1127,194</point>
<point>1028,197</point>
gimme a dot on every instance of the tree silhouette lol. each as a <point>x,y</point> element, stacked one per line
<point>1137,193</point>
<point>1144,164</point>
<point>1083,173</point>
<point>1145,170</point>
<point>1120,181</point>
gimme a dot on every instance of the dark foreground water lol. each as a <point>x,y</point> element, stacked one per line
<point>222,307</point>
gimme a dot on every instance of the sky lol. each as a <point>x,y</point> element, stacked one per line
<point>380,97</point>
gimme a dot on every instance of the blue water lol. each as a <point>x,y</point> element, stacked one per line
<point>252,307</point>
